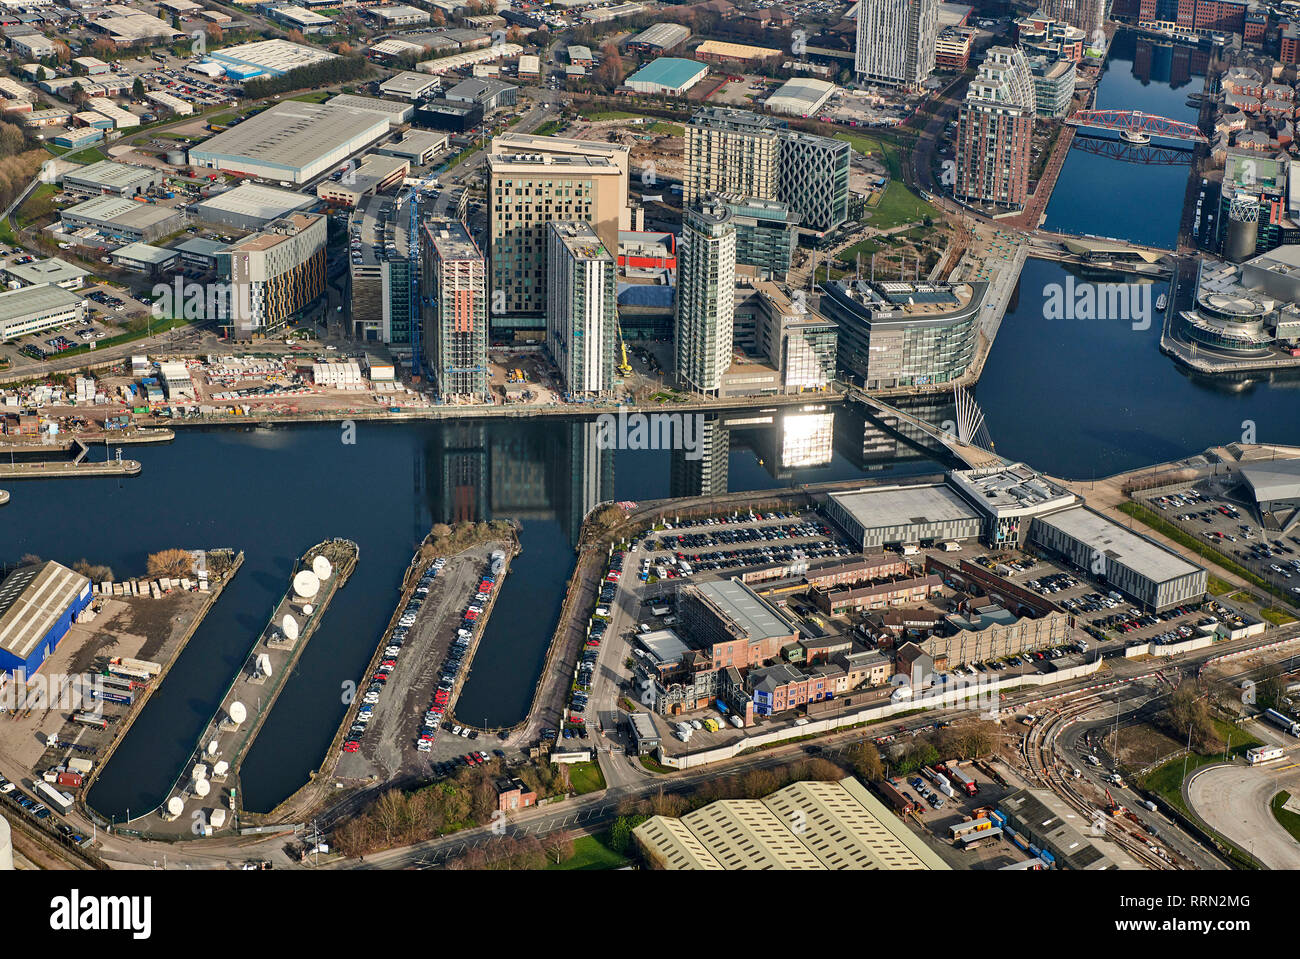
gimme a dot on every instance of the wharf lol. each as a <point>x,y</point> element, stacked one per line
<point>255,687</point>
<point>48,470</point>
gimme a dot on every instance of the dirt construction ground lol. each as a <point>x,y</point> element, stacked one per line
<point>650,142</point>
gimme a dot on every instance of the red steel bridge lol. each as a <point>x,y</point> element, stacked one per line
<point>1136,122</point>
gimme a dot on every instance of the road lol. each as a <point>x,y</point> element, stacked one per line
<point>1235,799</point>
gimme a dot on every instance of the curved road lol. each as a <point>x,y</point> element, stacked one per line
<point>1235,801</point>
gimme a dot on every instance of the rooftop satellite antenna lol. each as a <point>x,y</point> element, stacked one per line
<point>306,584</point>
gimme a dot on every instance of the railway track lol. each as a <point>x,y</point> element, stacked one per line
<point>1038,750</point>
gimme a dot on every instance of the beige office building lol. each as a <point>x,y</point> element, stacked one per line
<point>731,151</point>
<point>527,192</point>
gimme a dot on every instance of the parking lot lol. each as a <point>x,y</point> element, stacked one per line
<point>1229,527</point>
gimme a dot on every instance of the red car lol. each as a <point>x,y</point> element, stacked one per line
<point>379,678</point>
<point>471,615</point>
<point>438,708</point>
<point>351,746</point>
<point>485,587</point>
<point>427,737</point>
<point>389,663</point>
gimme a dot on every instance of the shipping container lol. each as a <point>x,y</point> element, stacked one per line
<point>902,805</point>
<point>962,781</point>
<point>47,793</point>
<point>70,779</point>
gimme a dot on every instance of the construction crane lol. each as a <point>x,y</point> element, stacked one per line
<point>624,367</point>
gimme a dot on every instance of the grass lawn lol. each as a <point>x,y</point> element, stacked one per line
<point>1167,780</point>
<point>590,852</point>
<point>669,129</point>
<point>1218,587</point>
<point>611,115</point>
<point>1276,616</point>
<point>652,764</point>
<point>899,205</point>
<point>865,247</point>
<point>549,128</point>
<point>159,326</point>
<point>39,204</point>
<point>316,96</point>
<point>887,153</point>
<point>586,778</point>
<point>1285,817</point>
<point>7,234</point>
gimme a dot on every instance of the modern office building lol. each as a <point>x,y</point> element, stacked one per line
<point>32,309</point>
<point>530,143</point>
<point>813,178</point>
<point>896,41</point>
<point>1088,15</point>
<point>706,268</point>
<point>418,146</point>
<point>54,271</point>
<point>1053,86</point>
<point>900,515</point>
<point>1009,497</point>
<point>121,220</point>
<point>384,298</point>
<point>526,192</point>
<point>377,173</point>
<point>731,151</point>
<point>292,141</point>
<point>1139,567</point>
<point>581,307</point>
<point>797,342</point>
<point>995,131</point>
<point>894,334</point>
<point>766,233</point>
<point>454,291</point>
<point>743,153</point>
<point>272,276</point>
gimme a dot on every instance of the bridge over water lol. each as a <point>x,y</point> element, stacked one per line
<point>967,439</point>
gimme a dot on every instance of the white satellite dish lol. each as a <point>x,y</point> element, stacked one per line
<point>307,610</point>
<point>176,805</point>
<point>221,768</point>
<point>202,787</point>
<point>322,567</point>
<point>306,584</point>
<point>290,627</point>
<point>212,748</point>
<point>238,713</point>
<point>264,664</point>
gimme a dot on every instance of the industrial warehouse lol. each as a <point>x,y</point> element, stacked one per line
<point>250,206</point>
<point>291,142</point>
<point>38,604</point>
<point>893,516</point>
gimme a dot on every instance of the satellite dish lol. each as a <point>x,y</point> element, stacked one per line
<point>238,713</point>
<point>290,627</point>
<point>306,584</point>
<point>264,664</point>
<point>212,748</point>
<point>202,787</point>
<point>322,567</point>
<point>221,768</point>
<point>307,610</point>
<point>176,805</point>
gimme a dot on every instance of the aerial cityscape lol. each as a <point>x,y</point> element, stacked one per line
<point>463,435</point>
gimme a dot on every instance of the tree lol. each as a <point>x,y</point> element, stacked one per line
<point>215,33</point>
<point>171,563</point>
<point>866,760</point>
<point>1188,715</point>
<point>558,846</point>
<point>295,36</point>
<point>137,89</point>
<point>611,71</point>
<point>94,573</point>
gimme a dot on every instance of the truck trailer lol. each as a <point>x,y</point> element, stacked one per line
<point>1282,722</point>
<point>47,793</point>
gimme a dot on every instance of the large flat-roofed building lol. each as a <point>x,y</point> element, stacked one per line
<point>120,219</point>
<point>456,116</point>
<point>1139,567</point>
<point>273,275</point>
<point>55,271</point>
<point>813,177</point>
<point>38,605</point>
<point>376,174</point>
<point>106,176</point>
<point>172,104</point>
<point>133,26</point>
<point>531,143</point>
<point>145,259</point>
<point>659,38</point>
<point>898,333</point>
<point>397,15</point>
<point>1044,822</point>
<point>299,18</point>
<point>272,58</point>
<point>418,146</point>
<point>899,515</point>
<point>733,624</point>
<point>454,288</point>
<point>801,96</point>
<point>807,825</point>
<point>1275,487</point>
<point>525,193</point>
<point>410,85</point>
<point>488,93</point>
<point>1009,497</point>
<point>250,206</point>
<point>731,151</point>
<point>36,308</point>
<point>291,141</point>
<point>397,113</point>
<point>667,75</point>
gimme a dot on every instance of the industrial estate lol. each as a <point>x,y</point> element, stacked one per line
<point>626,436</point>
